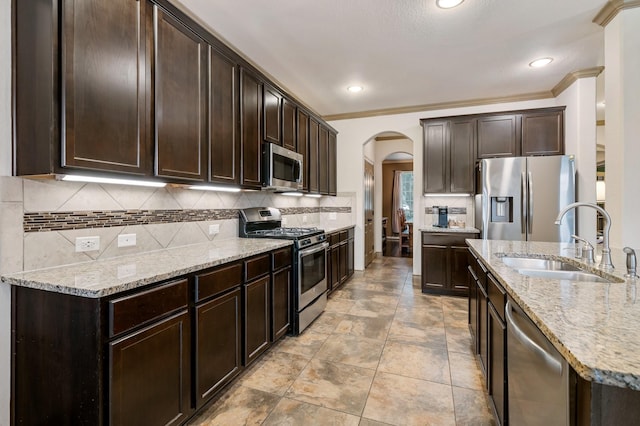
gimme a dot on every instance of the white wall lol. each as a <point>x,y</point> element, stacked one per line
<point>382,150</point>
<point>580,140</point>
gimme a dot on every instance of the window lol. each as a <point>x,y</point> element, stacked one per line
<point>407,194</point>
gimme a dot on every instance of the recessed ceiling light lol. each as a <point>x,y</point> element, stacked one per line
<point>355,89</point>
<point>540,62</point>
<point>448,4</point>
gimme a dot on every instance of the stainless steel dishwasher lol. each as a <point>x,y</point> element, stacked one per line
<point>538,375</point>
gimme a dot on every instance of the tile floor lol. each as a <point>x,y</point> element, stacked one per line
<point>381,354</point>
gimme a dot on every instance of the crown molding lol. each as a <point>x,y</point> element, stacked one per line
<point>611,10</point>
<point>571,78</point>
<point>438,106</point>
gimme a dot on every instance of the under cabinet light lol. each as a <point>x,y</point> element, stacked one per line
<point>292,194</point>
<point>114,181</point>
<point>215,188</point>
<point>313,195</point>
<point>447,195</point>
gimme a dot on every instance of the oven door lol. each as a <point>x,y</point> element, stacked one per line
<point>312,274</point>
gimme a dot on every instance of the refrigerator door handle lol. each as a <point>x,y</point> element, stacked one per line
<point>523,204</point>
<point>530,202</point>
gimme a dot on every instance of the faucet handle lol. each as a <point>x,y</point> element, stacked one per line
<point>587,249</point>
<point>631,262</point>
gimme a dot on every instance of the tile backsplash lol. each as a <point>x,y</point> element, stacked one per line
<point>460,208</point>
<point>40,219</point>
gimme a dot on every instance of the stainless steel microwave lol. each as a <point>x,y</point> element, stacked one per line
<point>281,168</point>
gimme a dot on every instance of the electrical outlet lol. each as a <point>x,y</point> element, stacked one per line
<point>214,229</point>
<point>126,240</point>
<point>304,218</point>
<point>333,216</point>
<point>87,244</point>
<point>284,221</point>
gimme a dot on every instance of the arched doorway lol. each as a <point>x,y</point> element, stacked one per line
<point>397,205</point>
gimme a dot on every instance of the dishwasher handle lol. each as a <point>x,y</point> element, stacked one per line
<point>529,343</point>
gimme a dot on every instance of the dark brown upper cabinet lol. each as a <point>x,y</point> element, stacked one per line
<point>224,145</point>
<point>323,160</point>
<point>180,99</point>
<point>314,155</point>
<point>303,146</point>
<point>333,179</point>
<point>289,139</point>
<point>251,128</point>
<point>82,74</point>
<point>272,115</point>
<point>449,156</point>
<point>499,136</point>
<point>543,132</point>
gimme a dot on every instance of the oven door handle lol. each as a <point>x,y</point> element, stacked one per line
<point>306,252</point>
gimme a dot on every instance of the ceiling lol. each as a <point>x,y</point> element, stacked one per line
<point>407,52</point>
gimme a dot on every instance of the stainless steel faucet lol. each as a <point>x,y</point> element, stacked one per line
<point>605,261</point>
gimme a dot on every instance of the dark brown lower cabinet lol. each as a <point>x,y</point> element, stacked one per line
<point>149,380</point>
<point>218,343</point>
<point>444,263</point>
<point>257,320</point>
<point>333,267</point>
<point>339,258</point>
<point>482,338</point>
<point>497,332</point>
<point>281,303</point>
<point>473,307</point>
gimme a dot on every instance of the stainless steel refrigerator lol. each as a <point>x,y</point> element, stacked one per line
<point>521,197</point>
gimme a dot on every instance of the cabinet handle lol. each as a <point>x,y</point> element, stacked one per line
<point>529,343</point>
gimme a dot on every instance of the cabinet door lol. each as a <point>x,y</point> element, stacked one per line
<point>289,137</point>
<point>343,270</point>
<point>482,327</point>
<point>257,322</point>
<point>138,393</point>
<point>106,74</point>
<point>436,154</point>
<point>314,158</point>
<point>350,248</point>
<point>224,145</point>
<point>323,160</point>
<point>543,133</point>
<point>180,99</point>
<point>497,364</point>
<point>462,156</point>
<point>335,266</point>
<point>280,301</point>
<point>218,344</point>
<point>473,309</point>
<point>303,146</point>
<point>499,136</point>
<point>333,166</point>
<point>272,115</point>
<point>458,274</point>
<point>250,127</point>
<point>434,268</point>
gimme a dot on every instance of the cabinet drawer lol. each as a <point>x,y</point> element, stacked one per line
<point>497,295</point>
<point>281,258</point>
<point>351,233</point>
<point>257,266</point>
<point>481,273</point>
<point>128,312</point>
<point>344,236</point>
<point>446,239</point>
<point>218,280</point>
<point>334,238</point>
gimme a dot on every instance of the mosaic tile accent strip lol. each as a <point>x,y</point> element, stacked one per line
<point>452,210</point>
<point>64,221</point>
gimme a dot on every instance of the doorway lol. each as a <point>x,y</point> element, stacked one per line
<point>369,244</point>
<point>397,205</point>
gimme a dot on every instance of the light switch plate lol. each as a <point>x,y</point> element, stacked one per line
<point>126,240</point>
<point>333,216</point>
<point>214,229</point>
<point>87,244</point>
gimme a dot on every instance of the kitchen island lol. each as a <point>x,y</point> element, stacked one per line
<point>592,324</point>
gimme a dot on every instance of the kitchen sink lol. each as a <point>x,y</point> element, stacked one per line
<point>537,263</point>
<point>552,269</point>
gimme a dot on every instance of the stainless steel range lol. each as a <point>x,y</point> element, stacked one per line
<point>309,288</point>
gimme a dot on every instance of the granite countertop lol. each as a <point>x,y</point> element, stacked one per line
<point>593,325</point>
<point>110,276</point>
<point>330,229</point>
<point>434,229</point>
